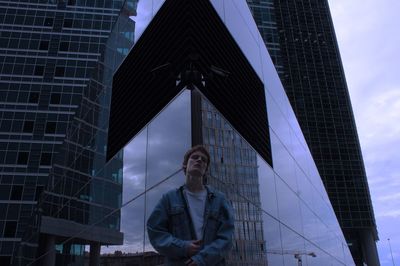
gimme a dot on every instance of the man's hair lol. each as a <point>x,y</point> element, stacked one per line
<point>199,148</point>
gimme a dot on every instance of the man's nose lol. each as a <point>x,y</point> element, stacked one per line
<point>199,159</point>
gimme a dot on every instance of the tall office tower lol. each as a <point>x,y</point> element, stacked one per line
<point>311,71</point>
<point>233,170</point>
<point>264,15</point>
<point>54,89</point>
<point>199,73</point>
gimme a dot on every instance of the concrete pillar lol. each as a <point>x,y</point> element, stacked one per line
<point>66,253</point>
<point>50,248</point>
<point>94,258</point>
<point>370,251</point>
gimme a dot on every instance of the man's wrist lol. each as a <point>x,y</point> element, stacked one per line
<point>186,246</point>
<point>189,261</point>
<point>197,260</point>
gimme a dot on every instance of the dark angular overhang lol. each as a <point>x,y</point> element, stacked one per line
<point>186,32</point>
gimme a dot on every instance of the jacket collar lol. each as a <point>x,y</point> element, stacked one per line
<point>210,191</point>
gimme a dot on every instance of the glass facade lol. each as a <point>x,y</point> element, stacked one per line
<point>265,18</point>
<point>302,43</point>
<point>233,170</point>
<point>278,212</point>
<point>57,193</point>
<point>57,63</point>
<point>282,213</point>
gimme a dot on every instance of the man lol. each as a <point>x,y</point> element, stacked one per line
<point>192,225</point>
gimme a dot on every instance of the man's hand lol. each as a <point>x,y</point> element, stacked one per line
<point>194,247</point>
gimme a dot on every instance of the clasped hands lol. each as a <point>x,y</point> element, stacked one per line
<point>193,249</point>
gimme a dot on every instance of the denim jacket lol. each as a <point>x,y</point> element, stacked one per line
<point>171,230</point>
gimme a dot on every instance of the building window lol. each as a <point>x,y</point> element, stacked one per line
<point>34,97</point>
<point>28,127</point>
<point>44,45</point>
<point>45,159</point>
<point>10,229</point>
<point>64,46</point>
<point>4,195</point>
<point>38,192</point>
<point>67,23</point>
<point>59,71</point>
<point>50,128</point>
<point>5,260</point>
<point>16,193</point>
<point>23,157</point>
<point>55,98</point>
<point>39,70</point>
<point>48,22</point>
<point>5,125</point>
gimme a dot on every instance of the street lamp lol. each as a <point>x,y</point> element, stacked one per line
<point>390,246</point>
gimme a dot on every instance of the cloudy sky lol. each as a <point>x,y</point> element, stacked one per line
<point>369,41</point>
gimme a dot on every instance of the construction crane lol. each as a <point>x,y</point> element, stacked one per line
<point>297,254</point>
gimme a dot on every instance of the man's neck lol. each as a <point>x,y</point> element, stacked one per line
<point>194,184</point>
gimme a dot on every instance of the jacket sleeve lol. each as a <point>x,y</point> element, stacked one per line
<point>219,248</point>
<point>160,237</point>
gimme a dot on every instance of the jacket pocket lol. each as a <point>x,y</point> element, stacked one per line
<point>213,224</point>
<point>178,221</point>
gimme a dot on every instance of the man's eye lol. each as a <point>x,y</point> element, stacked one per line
<point>203,159</point>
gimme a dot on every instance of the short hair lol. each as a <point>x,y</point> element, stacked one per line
<point>199,148</point>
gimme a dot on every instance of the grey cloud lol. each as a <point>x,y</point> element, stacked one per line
<point>168,137</point>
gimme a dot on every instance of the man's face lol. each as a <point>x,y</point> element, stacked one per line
<point>197,164</point>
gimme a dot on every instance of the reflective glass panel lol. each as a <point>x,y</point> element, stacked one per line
<point>169,137</point>
<point>236,24</point>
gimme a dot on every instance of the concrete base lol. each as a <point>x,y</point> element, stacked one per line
<point>65,228</point>
<point>370,251</point>
<point>50,258</point>
<point>94,259</point>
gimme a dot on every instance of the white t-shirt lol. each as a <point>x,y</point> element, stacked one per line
<point>196,205</point>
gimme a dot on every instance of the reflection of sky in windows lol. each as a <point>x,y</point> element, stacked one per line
<point>156,152</point>
<point>146,9</point>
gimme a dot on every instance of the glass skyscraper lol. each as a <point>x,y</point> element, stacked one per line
<point>301,39</point>
<point>233,170</point>
<point>200,73</point>
<point>57,60</point>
